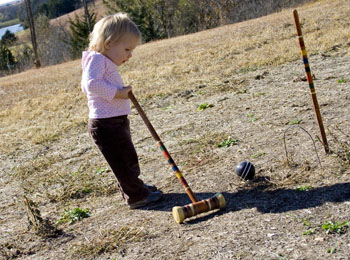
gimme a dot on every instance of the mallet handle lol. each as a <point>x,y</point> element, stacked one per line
<point>310,80</point>
<point>162,148</point>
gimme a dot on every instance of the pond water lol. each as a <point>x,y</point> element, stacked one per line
<point>13,28</point>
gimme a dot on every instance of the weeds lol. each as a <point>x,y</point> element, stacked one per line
<point>167,108</point>
<point>331,250</point>
<point>329,226</point>
<point>74,215</point>
<point>258,154</point>
<point>252,118</point>
<point>304,188</point>
<point>295,122</point>
<point>343,81</point>
<point>335,227</point>
<point>228,142</point>
<point>101,171</point>
<point>309,231</point>
<point>204,106</point>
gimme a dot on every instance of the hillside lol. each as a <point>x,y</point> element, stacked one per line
<point>252,78</point>
<point>98,7</point>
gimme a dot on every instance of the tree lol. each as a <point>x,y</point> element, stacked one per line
<point>7,60</point>
<point>141,12</point>
<point>87,15</point>
<point>8,38</point>
<point>53,46</point>
<point>159,19</point>
<point>56,8</point>
<point>32,33</point>
<point>80,32</point>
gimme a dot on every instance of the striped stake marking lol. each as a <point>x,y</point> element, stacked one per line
<point>310,81</point>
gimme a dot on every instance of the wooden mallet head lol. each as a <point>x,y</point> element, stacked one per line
<point>193,209</point>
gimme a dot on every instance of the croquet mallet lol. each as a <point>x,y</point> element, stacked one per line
<point>196,207</point>
<point>310,80</point>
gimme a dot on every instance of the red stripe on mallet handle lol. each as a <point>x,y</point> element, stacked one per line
<point>310,81</point>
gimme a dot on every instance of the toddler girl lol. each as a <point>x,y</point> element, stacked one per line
<point>112,42</point>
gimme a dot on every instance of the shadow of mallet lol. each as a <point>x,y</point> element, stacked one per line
<point>196,207</point>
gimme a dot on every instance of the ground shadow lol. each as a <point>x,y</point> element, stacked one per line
<point>263,199</point>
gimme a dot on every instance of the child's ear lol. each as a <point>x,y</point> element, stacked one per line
<point>107,45</point>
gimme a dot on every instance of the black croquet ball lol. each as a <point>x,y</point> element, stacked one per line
<point>245,170</point>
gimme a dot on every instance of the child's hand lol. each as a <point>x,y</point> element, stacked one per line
<point>123,93</point>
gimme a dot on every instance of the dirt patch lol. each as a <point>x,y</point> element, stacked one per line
<point>264,219</point>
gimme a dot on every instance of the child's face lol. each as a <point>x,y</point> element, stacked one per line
<point>121,51</point>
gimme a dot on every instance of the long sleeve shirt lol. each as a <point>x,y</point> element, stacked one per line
<point>100,82</point>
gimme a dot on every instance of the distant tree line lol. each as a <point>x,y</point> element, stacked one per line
<point>55,44</point>
<point>49,8</point>
<point>8,13</point>
<point>158,19</point>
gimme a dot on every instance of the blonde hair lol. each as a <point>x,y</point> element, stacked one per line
<point>112,29</point>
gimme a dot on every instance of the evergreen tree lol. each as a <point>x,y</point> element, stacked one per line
<point>8,38</point>
<point>141,12</point>
<point>7,60</point>
<point>79,39</point>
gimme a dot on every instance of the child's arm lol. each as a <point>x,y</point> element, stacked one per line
<point>123,93</point>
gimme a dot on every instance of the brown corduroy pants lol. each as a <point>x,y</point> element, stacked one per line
<point>112,137</point>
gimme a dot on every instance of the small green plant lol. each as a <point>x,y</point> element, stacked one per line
<point>335,227</point>
<point>342,81</point>
<point>295,122</point>
<point>258,94</point>
<point>304,188</point>
<point>101,171</point>
<point>228,142</point>
<point>258,154</point>
<point>252,118</point>
<point>204,106</point>
<point>309,231</point>
<point>331,250</point>
<point>306,223</point>
<point>74,215</point>
<point>166,108</point>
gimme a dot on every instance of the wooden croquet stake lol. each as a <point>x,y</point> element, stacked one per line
<point>196,207</point>
<point>310,81</point>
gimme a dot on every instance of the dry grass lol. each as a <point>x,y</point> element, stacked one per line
<point>43,110</point>
<point>54,102</point>
<point>108,241</point>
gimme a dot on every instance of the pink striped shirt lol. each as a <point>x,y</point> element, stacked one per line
<point>100,82</point>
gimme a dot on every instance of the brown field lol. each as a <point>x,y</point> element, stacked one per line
<point>252,76</point>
